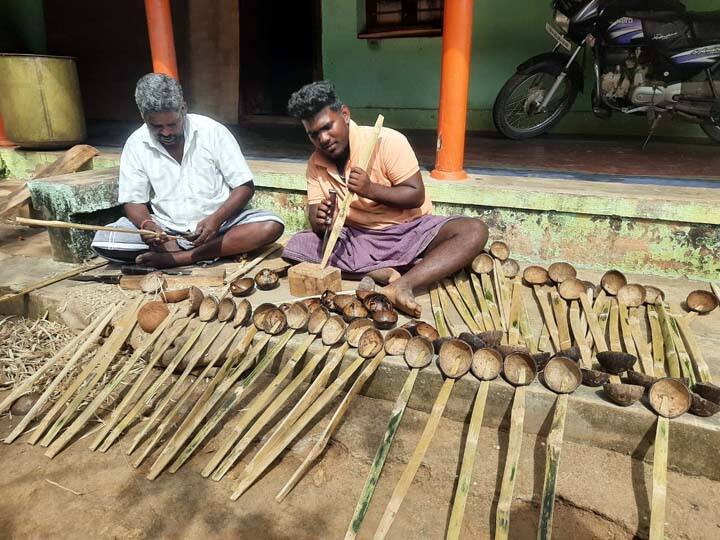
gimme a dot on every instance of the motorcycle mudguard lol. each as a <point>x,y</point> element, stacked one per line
<point>555,59</point>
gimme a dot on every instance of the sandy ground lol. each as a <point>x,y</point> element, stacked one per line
<point>601,494</point>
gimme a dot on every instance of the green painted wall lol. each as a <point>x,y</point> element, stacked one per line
<point>401,77</point>
<point>22,27</point>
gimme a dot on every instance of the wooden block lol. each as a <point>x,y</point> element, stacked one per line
<point>308,279</point>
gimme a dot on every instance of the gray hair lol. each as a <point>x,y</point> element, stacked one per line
<point>157,92</point>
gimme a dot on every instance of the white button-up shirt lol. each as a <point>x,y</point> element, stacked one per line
<point>181,194</point>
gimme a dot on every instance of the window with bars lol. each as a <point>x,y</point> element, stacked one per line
<point>402,18</point>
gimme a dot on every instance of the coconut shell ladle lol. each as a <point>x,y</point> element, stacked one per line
<point>418,352</point>
<point>611,282</point>
<point>332,330</point>
<point>669,398</point>
<point>562,376</point>
<point>482,266</point>
<point>573,290</point>
<point>558,273</point>
<point>369,345</point>
<point>486,366</point>
<point>519,370</point>
<point>629,296</point>
<point>454,360</point>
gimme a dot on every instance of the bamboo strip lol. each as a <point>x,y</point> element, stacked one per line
<point>462,283</point>
<point>694,350</point>
<point>492,302</point>
<point>604,315</point>
<point>169,420</point>
<point>482,302</point>
<point>365,154</point>
<point>460,306</point>
<point>579,334</point>
<point>644,353</point>
<point>596,333</point>
<point>614,324</point>
<point>514,314</point>
<point>497,276</point>
<point>54,279</point>
<point>600,302</point>
<point>193,421</point>
<point>256,406</point>
<point>149,394</point>
<point>58,410</point>
<point>468,462</point>
<point>233,398</point>
<point>271,411</point>
<point>380,456</point>
<point>526,330</point>
<point>119,414</point>
<point>83,227</point>
<point>71,346</point>
<point>548,316</point>
<point>658,349</point>
<point>671,356</point>
<point>659,492</point>
<point>259,464</point>
<point>445,304</point>
<point>328,432</point>
<point>440,322</point>
<point>502,517</point>
<point>95,329</point>
<point>686,364</point>
<point>102,396</point>
<point>627,337</point>
<point>716,290</point>
<point>173,394</point>
<point>561,318</point>
<point>413,465</point>
<point>552,464</point>
<point>249,265</point>
<point>544,344</point>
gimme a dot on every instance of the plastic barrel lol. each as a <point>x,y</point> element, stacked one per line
<point>40,101</point>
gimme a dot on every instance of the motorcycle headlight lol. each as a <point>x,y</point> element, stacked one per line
<point>561,21</point>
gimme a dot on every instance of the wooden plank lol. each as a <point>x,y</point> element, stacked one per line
<point>332,426</point>
<point>103,395</point>
<point>269,413</point>
<point>408,475</point>
<point>71,161</point>
<point>379,460</point>
<point>502,517</point>
<point>552,464</point>
<point>468,463</point>
<point>365,154</point>
<point>54,279</point>
<point>93,330</point>
<point>256,406</point>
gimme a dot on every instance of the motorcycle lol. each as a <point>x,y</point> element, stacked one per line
<point>650,57</point>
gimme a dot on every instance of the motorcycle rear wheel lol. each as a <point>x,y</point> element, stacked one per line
<point>712,131</point>
<point>513,112</point>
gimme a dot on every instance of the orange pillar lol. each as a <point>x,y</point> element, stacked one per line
<point>4,141</point>
<point>454,80</point>
<point>162,41</point>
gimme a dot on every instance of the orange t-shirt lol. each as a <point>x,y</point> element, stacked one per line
<point>392,162</point>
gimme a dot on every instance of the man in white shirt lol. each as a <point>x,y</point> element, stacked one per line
<point>183,175</point>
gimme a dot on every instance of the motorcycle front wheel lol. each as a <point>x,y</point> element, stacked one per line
<point>516,113</point>
<point>712,131</point>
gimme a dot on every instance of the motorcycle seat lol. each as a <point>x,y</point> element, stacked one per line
<point>705,26</point>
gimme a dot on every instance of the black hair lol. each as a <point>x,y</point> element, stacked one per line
<point>313,98</point>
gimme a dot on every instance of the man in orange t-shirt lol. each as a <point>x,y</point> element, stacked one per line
<point>390,227</point>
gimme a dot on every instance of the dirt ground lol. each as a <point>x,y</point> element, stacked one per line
<point>601,494</point>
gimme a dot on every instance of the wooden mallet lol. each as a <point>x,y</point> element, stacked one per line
<point>309,279</point>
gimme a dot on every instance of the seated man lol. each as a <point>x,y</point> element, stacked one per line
<point>390,226</point>
<point>183,174</point>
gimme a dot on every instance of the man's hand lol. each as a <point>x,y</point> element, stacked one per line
<point>154,241</point>
<point>323,217</point>
<point>359,183</point>
<point>206,230</point>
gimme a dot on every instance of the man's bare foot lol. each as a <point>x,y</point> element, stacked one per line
<point>366,284</point>
<point>157,259</point>
<point>384,276</point>
<point>402,298</point>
